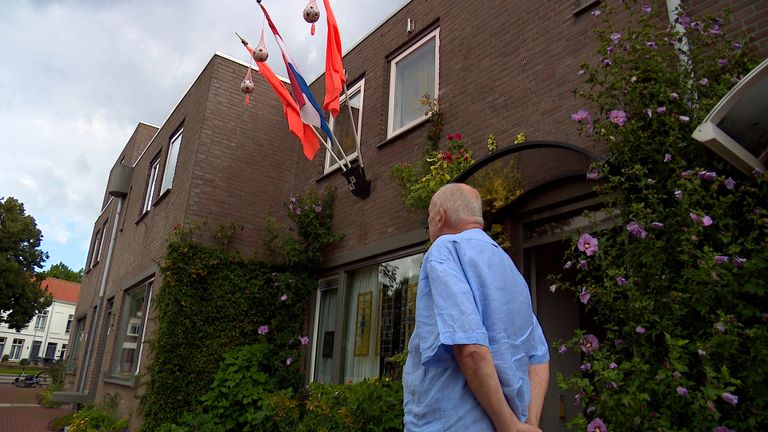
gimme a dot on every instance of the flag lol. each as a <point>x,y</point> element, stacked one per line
<point>307,136</point>
<point>334,69</point>
<point>308,107</point>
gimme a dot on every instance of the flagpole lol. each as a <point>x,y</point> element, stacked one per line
<point>325,143</point>
<point>354,127</point>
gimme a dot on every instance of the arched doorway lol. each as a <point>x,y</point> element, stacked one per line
<point>536,194</point>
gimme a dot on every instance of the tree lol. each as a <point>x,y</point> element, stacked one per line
<point>63,272</point>
<point>20,294</point>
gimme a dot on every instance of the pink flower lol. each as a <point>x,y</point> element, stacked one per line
<point>646,8</point>
<point>730,183</point>
<point>648,112</point>
<point>704,81</point>
<point>593,174</point>
<point>707,175</point>
<point>588,244</point>
<point>667,157</point>
<point>562,349</point>
<point>289,361</point>
<point>589,343</point>
<point>722,62</point>
<point>263,329</point>
<point>722,429</point>
<point>706,221</point>
<point>596,425</point>
<point>730,398</point>
<point>661,109</point>
<point>736,46</point>
<point>651,44</point>
<point>682,391</point>
<point>582,265</point>
<point>596,12</point>
<point>553,288</point>
<point>637,230</point>
<point>581,115</point>
<point>618,117</point>
<point>739,261</point>
<point>567,265</point>
<point>640,330</point>
<point>612,365</point>
<point>621,280</point>
<point>284,297</point>
<point>720,327</point>
<point>586,367</point>
<point>584,296</point>
<point>757,172</point>
<point>304,340</point>
<point>615,37</point>
<point>721,259</point>
<point>684,119</point>
<point>679,194</point>
<point>450,137</point>
<point>674,96</point>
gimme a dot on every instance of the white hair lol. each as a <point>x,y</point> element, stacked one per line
<point>461,202</point>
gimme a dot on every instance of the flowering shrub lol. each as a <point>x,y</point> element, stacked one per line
<point>436,168</point>
<point>675,289</point>
<point>263,347</point>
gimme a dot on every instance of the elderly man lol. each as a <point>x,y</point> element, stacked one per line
<point>477,360</point>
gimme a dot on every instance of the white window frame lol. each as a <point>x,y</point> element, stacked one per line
<point>41,319</point>
<point>330,161</point>
<point>391,131</point>
<point>70,318</point>
<point>16,347</point>
<point>125,329</point>
<point>154,169</point>
<point>98,244</point>
<point>174,147</point>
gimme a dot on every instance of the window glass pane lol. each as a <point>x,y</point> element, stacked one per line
<point>16,349</point>
<point>170,164</point>
<point>380,316</point>
<point>414,78</point>
<point>326,336</point>
<point>151,181</point>
<point>342,126</point>
<point>131,325</point>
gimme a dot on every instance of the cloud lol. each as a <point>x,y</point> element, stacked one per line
<point>78,76</point>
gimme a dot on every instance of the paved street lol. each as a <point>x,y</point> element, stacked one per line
<point>19,411</point>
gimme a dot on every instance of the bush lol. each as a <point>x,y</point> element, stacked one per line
<point>254,303</point>
<point>59,423</point>
<point>675,292</point>
<point>372,405</point>
<point>5,358</point>
<point>101,417</point>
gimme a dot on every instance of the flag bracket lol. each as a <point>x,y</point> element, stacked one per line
<point>357,183</point>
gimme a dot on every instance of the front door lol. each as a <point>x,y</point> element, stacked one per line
<point>559,315</point>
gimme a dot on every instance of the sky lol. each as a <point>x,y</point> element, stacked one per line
<point>77,76</point>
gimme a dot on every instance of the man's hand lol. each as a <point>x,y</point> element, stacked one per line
<point>525,427</point>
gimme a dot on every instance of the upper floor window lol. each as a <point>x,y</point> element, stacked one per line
<point>170,161</point>
<point>69,323</point>
<point>341,126</point>
<point>40,320</point>
<point>154,169</point>
<point>413,75</point>
<point>98,244</point>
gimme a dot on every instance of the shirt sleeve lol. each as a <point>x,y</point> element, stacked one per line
<point>455,309</point>
<point>540,347</point>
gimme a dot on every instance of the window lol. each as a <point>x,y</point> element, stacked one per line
<point>2,346</point>
<point>154,168</point>
<point>341,126</point>
<point>18,344</point>
<point>379,315</point>
<point>50,350</point>
<point>40,320</point>
<point>132,322</point>
<point>98,244</point>
<point>34,352</point>
<point>63,352</point>
<point>79,337</point>
<point>69,323</point>
<point>170,161</point>
<point>413,74</point>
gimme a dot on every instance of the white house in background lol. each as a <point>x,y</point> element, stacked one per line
<point>46,336</point>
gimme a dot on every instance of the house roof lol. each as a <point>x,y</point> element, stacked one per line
<point>62,290</point>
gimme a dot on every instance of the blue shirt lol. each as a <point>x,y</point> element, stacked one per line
<point>470,292</point>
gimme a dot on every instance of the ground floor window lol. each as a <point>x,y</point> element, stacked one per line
<point>377,307</point>
<point>2,346</point>
<point>130,334</point>
<point>77,340</point>
<point>16,347</point>
<point>63,352</point>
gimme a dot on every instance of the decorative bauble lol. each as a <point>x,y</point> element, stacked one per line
<point>260,54</point>
<point>311,13</point>
<point>246,86</point>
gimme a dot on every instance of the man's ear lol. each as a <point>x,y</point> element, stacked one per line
<point>442,218</point>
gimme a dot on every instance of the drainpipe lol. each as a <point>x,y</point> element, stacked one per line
<point>102,288</point>
<point>673,6</point>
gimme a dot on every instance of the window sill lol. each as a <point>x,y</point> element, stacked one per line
<point>120,381</point>
<point>403,132</point>
<point>586,7</point>
<point>333,170</point>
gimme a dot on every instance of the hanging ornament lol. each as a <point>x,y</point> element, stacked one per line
<point>260,54</point>
<point>311,15</point>
<point>247,85</point>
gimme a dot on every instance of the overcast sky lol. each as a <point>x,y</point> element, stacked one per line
<point>76,76</point>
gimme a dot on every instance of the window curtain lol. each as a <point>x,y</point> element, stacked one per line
<point>325,337</point>
<point>361,350</point>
